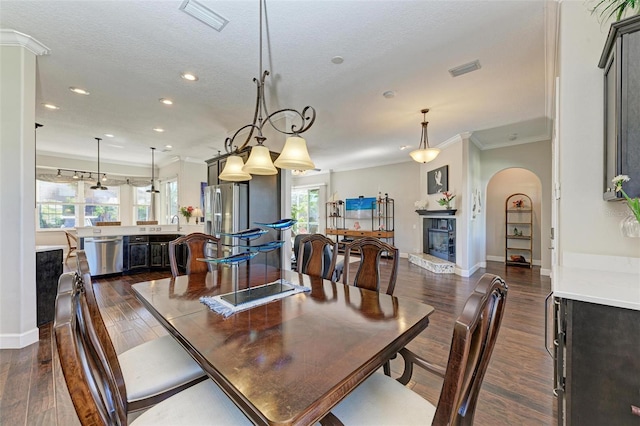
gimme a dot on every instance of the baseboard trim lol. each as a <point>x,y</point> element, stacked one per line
<point>17,341</point>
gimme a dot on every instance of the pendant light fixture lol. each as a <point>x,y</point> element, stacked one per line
<point>153,189</point>
<point>424,154</point>
<point>99,185</point>
<point>294,155</point>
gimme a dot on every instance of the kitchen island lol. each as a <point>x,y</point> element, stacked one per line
<point>596,302</point>
<point>48,270</point>
<point>131,249</point>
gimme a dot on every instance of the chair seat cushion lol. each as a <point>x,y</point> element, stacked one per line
<point>381,400</point>
<point>155,367</point>
<point>201,404</point>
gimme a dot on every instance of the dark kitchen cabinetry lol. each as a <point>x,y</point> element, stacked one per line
<point>597,367</point>
<point>620,61</point>
<point>144,252</point>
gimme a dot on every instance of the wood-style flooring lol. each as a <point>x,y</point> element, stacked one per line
<point>516,388</point>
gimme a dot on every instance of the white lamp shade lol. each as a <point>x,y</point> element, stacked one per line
<point>294,155</point>
<point>233,170</point>
<point>259,162</point>
<point>196,212</point>
<point>424,155</point>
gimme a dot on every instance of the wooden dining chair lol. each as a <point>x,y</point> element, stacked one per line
<point>371,250</point>
<point>97,394</point>
<point>72,245</point>
<point>383,400</point>
<point>149,372</point>
<point>316,256</point>
<point>198,245</point>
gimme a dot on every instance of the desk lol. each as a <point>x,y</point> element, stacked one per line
<point>289,361</point>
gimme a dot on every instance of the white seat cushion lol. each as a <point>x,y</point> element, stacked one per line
<point>202,404</point>
<point>381,400</point>
<point>156,366</point>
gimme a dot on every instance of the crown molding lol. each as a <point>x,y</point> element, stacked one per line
<point>16,38</point>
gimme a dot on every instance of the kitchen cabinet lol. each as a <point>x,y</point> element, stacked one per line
<point>159,251</point>
<point>620,61</point>
<point>136,252</point>
<point>597,367</point>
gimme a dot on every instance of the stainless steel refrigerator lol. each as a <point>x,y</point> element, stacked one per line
<point>226,210</point>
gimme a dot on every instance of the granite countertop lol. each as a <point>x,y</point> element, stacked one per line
<point>49,248</point>
<point>605,280</point>
<point>91,231</point>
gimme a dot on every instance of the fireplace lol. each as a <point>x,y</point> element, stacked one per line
<point>439,238</point>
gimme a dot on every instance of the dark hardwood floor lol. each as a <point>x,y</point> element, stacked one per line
<point>516,389</point>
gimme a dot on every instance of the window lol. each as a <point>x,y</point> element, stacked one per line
<point>305,209</point>
<point>171,200</point>
<point>141,203</point>
<point>69,204</point>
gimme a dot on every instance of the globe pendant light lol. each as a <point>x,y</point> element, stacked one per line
<point>153,189</point>
<point>233,170</point>
<point>424,154</point>
<point>98,185</point>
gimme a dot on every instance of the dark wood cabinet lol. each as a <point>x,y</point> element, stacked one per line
<point>144,252</point>
<point>620,61</point>
<point>597,363</point>
<point>136,252</point>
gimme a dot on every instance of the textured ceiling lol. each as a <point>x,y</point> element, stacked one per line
<point>128,54</point>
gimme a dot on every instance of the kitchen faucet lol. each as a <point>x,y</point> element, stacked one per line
<point>177,218</point>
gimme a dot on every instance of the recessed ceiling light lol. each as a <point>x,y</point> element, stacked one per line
<point>403,147</point>
<point>78,90</point>
<point>166,101</point>
<point>337,60</point>
<point>109,135</point>
<point>168,146</point>
<point>50,106</point>
<point>189,77</point>
<point>389,94</point>
<point>158,129</point>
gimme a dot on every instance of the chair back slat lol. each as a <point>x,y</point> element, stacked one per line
<point>368,275</point>
<point>197,244</point>
<point>317,256</point>
<point>474,336</point>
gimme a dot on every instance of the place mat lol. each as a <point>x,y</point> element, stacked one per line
<point>221,306</point>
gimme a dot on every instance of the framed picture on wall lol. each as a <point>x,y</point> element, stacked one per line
<point>437,180</point>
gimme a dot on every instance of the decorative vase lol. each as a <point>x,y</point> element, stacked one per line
<point>188,218</point>
<point>630,226</point>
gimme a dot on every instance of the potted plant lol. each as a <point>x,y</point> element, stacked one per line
<point>607,9</point>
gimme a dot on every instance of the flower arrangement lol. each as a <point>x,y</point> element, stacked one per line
<point>633,203</point>
<point>186,212</point>
<point>446,199</point>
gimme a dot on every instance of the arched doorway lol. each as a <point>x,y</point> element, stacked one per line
<point>500,186</point>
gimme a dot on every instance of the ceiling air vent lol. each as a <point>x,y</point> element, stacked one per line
<point>465,68</point>
<point>204,14</point>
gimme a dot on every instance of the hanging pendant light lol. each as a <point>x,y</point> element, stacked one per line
<point>98,185</point>
<point>153,189</point>
<point>294,154</point>
<point>233,170</point>
<point>424,154</point>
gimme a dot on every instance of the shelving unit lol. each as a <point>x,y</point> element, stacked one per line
<point>381,211</point>
<point>518,243</point>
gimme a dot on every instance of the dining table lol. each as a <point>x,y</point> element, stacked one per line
<point>288,361</point>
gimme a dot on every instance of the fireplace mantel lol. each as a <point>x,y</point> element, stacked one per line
<point>443,212</point>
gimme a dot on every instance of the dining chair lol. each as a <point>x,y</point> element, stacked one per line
<point>97,394</point>
<point>316,256</point>
<point>198,245</point>
<point>72,245</point>
<point>383,400</point>
<point>149,372</point>
<point>371,250</point>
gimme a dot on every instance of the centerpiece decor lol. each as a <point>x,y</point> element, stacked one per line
<point>187,212</point>
<point>445,201</point>
<point>630,226</point>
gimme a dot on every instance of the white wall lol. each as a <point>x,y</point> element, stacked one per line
<point>501,186</point>
<point>190,174</point>
<point>17,198</point>
<point>535,157</point>
<point>587,224</point>
<point>476,257</point>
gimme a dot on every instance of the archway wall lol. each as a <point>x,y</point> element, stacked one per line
<point>502,185</point>
<point>535,157</point>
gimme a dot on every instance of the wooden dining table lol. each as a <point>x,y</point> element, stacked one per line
<point>289,361</point>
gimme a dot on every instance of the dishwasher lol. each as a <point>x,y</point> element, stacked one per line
<point>104,254</point>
